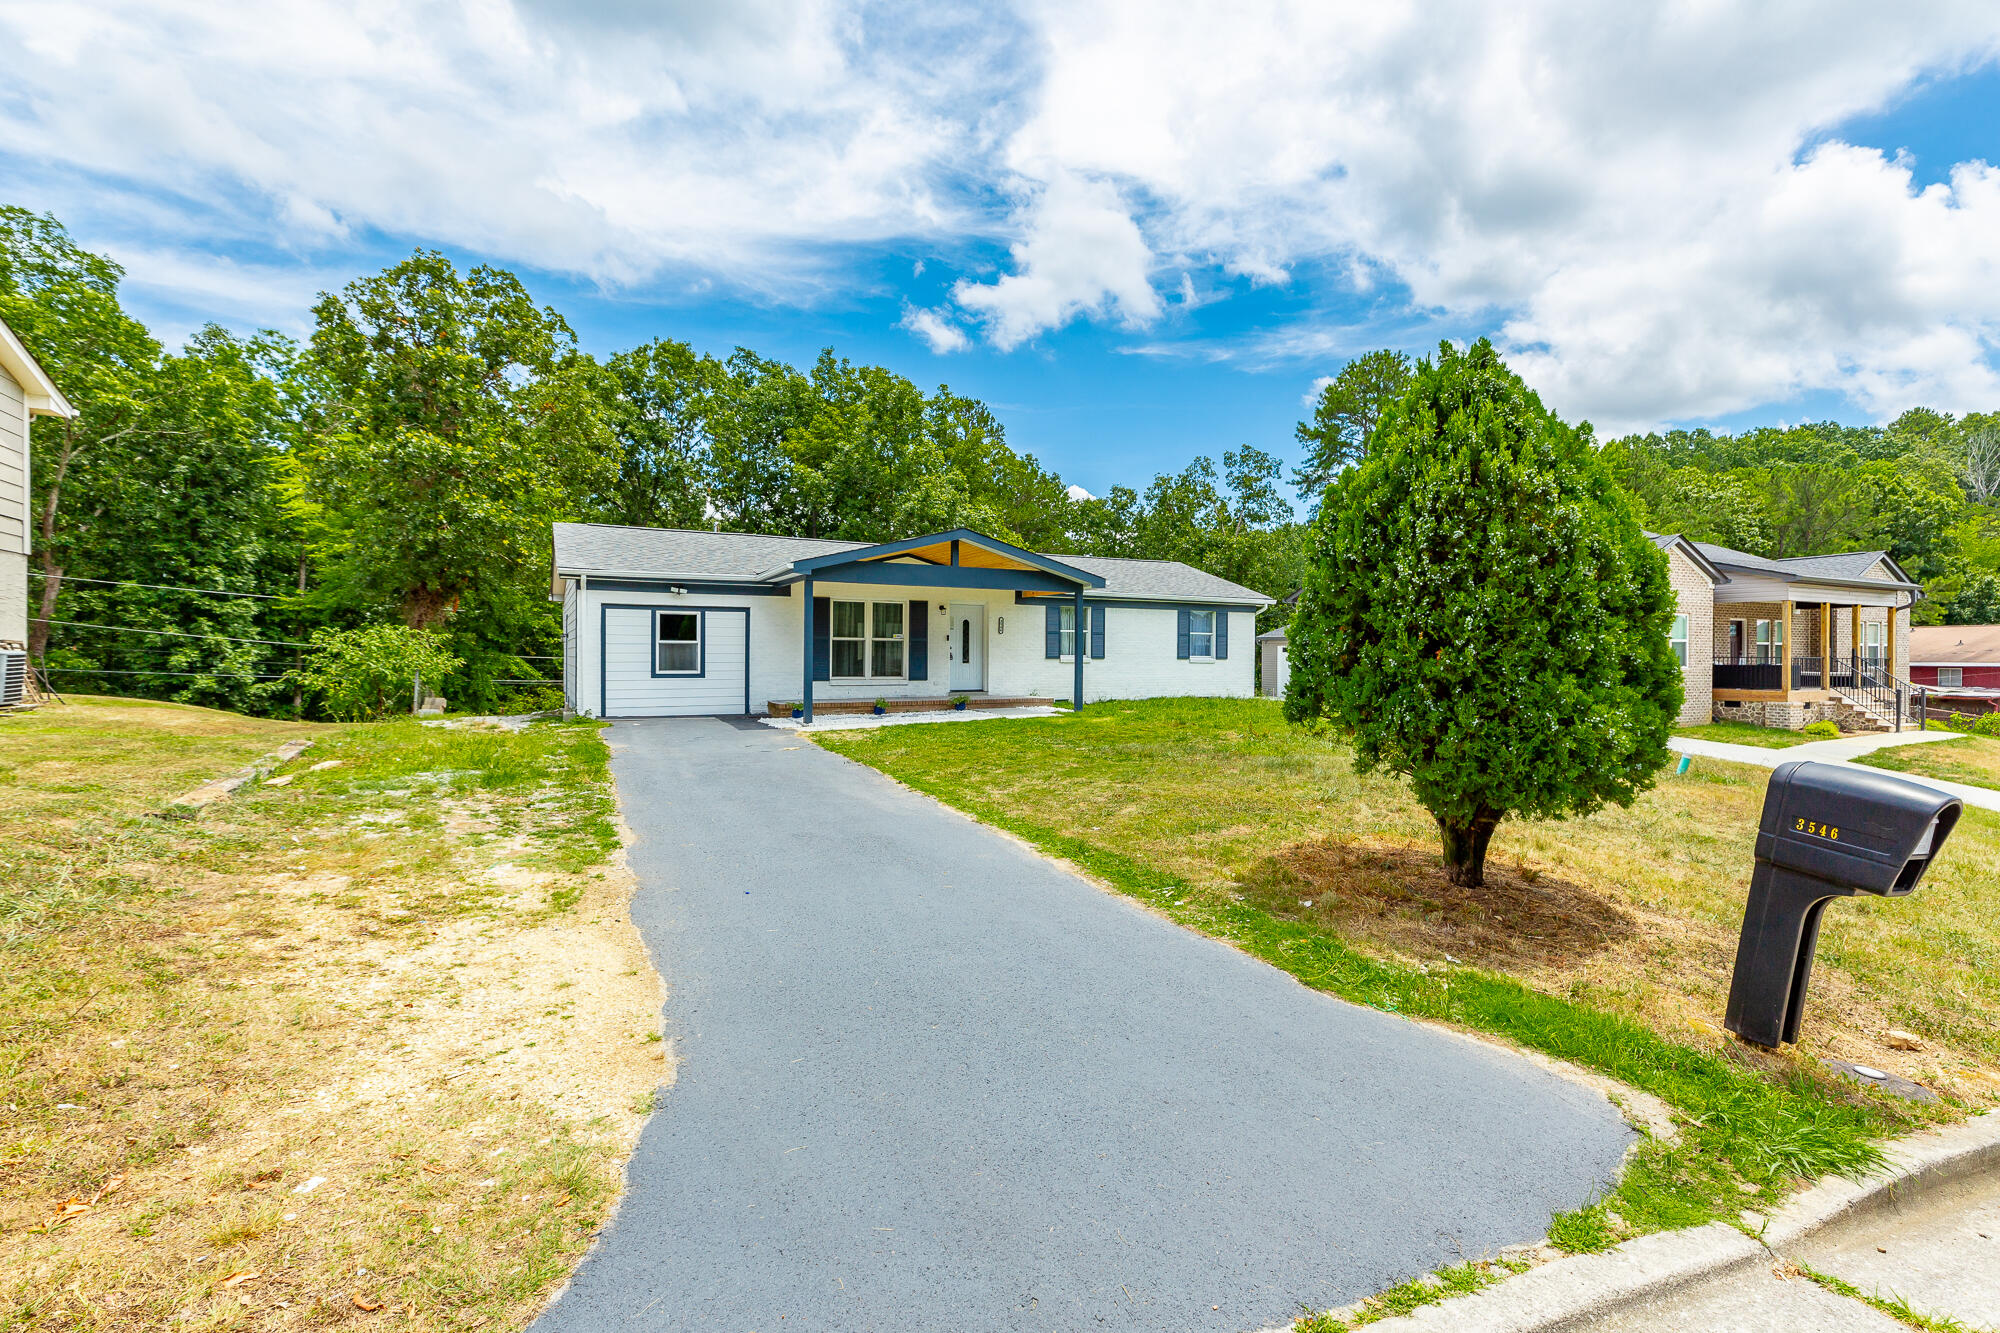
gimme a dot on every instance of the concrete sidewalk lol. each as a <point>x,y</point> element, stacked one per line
<point>1843,751</point>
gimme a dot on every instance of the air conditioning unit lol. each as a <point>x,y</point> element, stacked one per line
<point>13,677</point>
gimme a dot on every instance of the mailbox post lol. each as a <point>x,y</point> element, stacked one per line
<point>1828,831</point>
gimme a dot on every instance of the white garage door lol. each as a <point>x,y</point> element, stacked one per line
<point>669,661</point>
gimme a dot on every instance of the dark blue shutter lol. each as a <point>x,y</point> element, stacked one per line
<point>1097,631</point>
<point>1221,633</point>
<point>822,638</point>
<point>1053,648</point>
<point>920,640</point>
<point>1183,616</point>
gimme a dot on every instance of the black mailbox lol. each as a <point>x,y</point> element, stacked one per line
<point>1828,831</point>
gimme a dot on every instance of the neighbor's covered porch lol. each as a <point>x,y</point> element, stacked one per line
<point>1813,647</point>
<point>841,637</point>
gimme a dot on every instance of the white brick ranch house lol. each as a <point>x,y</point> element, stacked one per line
<point>661,622</point>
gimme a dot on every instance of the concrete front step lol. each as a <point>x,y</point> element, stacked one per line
<point>779,708</point>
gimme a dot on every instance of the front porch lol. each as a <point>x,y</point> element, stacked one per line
<point>905,704</point>
<point>1793,662</point>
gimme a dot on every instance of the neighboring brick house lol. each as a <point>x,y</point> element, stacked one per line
<point>1693,578</point>
<point>1811,638</point>
<point>1959,665</point>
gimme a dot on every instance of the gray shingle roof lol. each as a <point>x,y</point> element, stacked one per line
<point>601,549</point>
<point>1843,566</point>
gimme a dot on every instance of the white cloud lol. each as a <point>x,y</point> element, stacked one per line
<point>1623,193</point>
<point>936,330</point>
<point>1083,255</point>
<point>1310,398</point>
<point>1076,492</point>
<point>1619,192</point>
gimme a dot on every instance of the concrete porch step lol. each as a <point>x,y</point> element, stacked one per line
<point>824,707</point>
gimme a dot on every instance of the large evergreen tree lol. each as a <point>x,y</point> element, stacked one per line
<point>1482,612</point>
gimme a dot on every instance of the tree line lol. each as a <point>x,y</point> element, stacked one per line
<point>220,508</point>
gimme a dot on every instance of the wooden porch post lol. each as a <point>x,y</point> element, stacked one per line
<point>1082,647</point>
<point>1854,633</point>
<point>807,645</point>
<point>1785,610</point>
<point>1826,645</point>
<point>1889,643</point>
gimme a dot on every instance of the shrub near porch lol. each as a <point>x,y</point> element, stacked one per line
<point>1634,912</point>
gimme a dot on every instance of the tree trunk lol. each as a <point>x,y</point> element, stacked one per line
<point>1465,848</point>
<point>45,528</point>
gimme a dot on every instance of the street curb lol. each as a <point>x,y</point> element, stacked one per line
<point>1563,1294</point>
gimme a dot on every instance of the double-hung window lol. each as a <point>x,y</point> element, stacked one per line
<point>1770,641</point>
<point>1677,638</point>
<point>867,640</point>
<point>1068,633</point>
<point>677,650</point>
<point>1201,634</point>
<point>1874,639</point>
<point>1951,678</point>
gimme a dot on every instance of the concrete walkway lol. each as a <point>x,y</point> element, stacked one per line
<point>1843,751</point>
<point>929,1080</point>
<point>1940,1256</point>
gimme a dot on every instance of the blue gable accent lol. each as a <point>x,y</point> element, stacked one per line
<point>943,576</point>
<point>820,565</point>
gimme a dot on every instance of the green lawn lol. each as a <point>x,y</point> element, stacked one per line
<point>1742,733</point>
<point>1606,941</point>
<point>1974,760</point>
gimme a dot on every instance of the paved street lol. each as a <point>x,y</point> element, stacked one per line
<point>927,1079</point>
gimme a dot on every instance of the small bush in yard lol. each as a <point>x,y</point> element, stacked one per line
<point>1483,613</point>
<point>1821,731</point>
<point>361,674</point>
<point>1987,725</point>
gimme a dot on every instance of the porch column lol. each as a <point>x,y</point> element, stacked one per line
<point>1854,634</point>
<point>807,699</point>
<point>1785,610</point>
<point>1082,647</point>
<point>1826,645</point>
<point>1889,642</point>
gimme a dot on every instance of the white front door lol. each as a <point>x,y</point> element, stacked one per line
<point>968,646</point>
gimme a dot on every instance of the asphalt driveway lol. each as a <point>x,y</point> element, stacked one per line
<point>928,1080</point>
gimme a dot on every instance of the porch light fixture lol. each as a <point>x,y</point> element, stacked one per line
<point>678,591</point>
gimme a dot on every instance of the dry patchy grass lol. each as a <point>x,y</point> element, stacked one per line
<point>376,1035</point>
<point>1631,911</point>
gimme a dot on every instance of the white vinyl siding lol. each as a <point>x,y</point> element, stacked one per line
<point>13,466</point>
<point>633,689</point>
<point>571,648</point>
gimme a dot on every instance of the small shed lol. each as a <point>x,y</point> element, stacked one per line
<point>1274,669</point>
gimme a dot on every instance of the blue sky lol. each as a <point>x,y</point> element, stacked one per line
<point>1138,240</point>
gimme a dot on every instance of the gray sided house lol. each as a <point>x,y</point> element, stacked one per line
<point>661,622</point>
<point>26,392</point>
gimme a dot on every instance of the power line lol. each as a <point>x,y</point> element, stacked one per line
<point>100,671</point>
<point>165,587</point>
<point>170,633</point>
